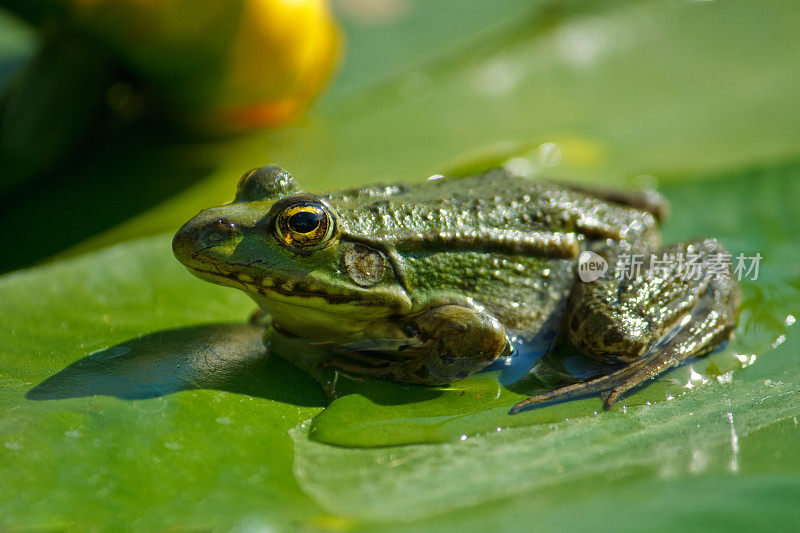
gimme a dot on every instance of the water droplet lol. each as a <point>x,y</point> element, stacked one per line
<point>549,155</point>
<point>583,43</point>
<point>519,166</point>
<point>497,76</point>
<point>780,340</point>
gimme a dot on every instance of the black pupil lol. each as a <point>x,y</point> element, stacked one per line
<point>305,221</point>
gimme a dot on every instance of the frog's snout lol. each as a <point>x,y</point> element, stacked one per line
<point>199,233</point>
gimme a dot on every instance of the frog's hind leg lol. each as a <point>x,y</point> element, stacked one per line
<point>651,321</point>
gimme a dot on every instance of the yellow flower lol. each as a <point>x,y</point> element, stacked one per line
<point>223,64</point>
<point>282,56</point>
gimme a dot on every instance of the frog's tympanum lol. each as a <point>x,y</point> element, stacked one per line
<point>428,283</point>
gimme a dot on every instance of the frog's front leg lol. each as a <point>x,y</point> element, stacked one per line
<point>649,320</point>
<point>441,345</point>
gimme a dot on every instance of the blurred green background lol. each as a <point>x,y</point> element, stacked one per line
<point>119,411</point>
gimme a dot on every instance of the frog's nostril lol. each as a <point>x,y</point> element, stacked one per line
<point>224,226</point>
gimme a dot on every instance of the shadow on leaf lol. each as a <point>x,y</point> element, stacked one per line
<point>384,392</point>
<point>226,357</point>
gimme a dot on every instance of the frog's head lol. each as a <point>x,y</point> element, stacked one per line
<point>284,248</point>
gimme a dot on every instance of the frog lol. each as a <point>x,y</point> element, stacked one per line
<point>427,283</point>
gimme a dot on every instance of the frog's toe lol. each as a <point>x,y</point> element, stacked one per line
<point>608,387</point>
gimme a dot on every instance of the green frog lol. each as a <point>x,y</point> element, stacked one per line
<point>428,283</point>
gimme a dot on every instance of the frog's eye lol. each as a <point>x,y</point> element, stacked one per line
<point>304,223</point>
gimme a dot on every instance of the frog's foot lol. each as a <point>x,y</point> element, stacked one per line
<point>442,345</point>
<point>651,320</point>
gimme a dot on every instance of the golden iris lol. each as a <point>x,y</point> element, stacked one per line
<point>304,224</point>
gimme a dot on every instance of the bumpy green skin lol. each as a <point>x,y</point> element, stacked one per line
<point>426,283</point>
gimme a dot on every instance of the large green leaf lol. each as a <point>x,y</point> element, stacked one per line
<point>700,434</point>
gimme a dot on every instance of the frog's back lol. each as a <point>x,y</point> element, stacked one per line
<point>482,205</point>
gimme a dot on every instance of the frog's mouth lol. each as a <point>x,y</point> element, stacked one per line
<point>292,291</point>
<point>267,285</point>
